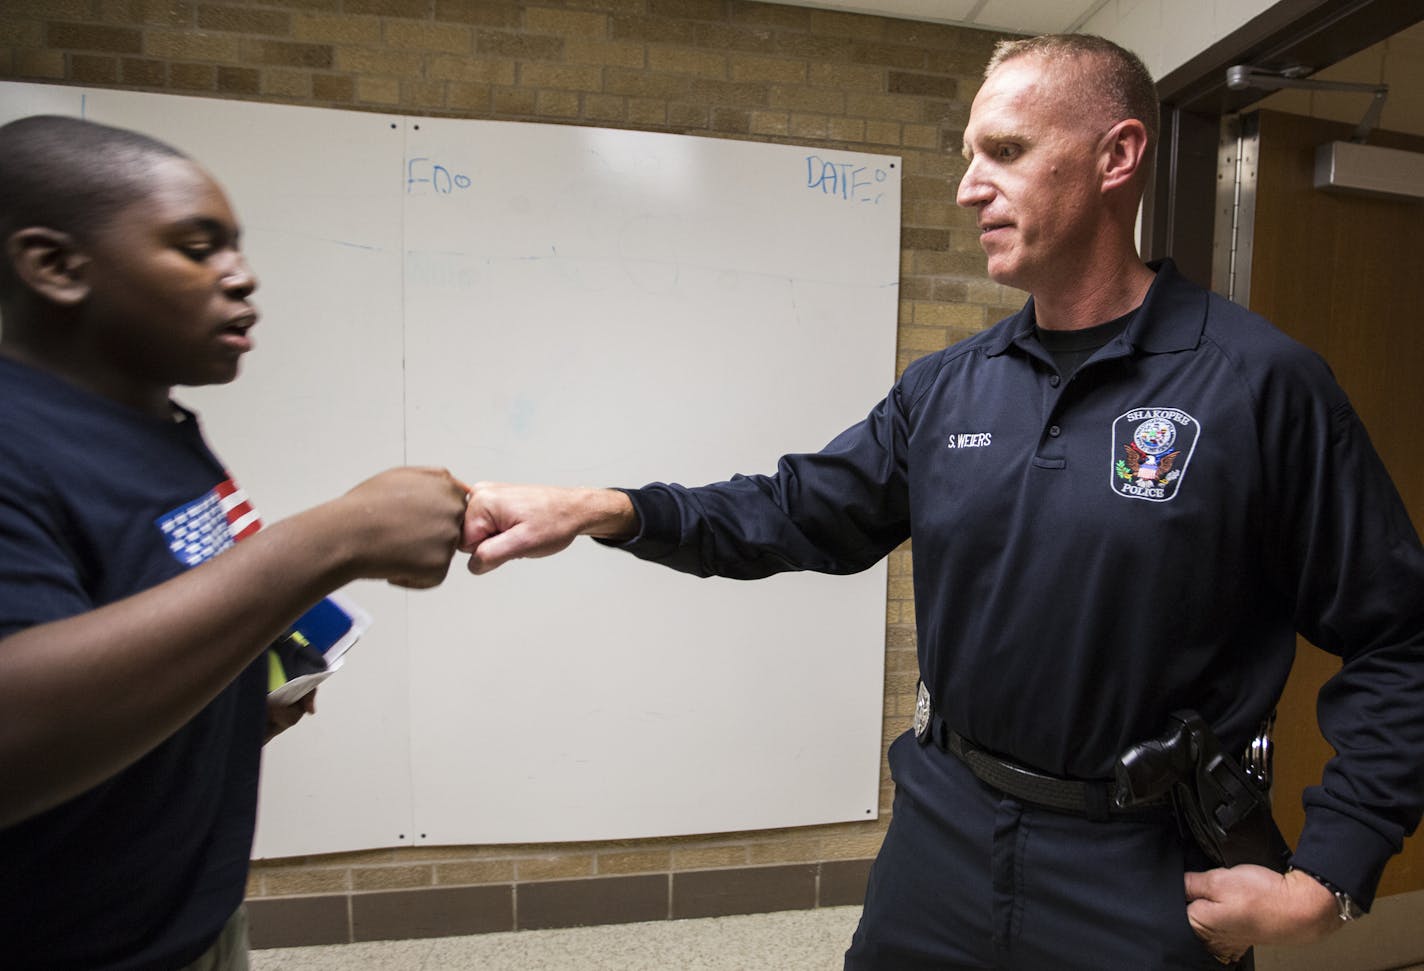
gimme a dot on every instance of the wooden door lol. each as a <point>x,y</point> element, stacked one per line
<point>1343,274</point>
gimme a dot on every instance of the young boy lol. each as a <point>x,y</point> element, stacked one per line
<point>132,683</point>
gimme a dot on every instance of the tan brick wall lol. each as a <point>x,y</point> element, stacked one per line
<point>710,67</point>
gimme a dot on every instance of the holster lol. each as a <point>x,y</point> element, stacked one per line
<point>1227,813</point>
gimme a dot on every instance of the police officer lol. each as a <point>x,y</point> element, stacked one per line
<point>1125,500</point>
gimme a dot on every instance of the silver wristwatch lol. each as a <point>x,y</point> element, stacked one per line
<point>1349,910</point>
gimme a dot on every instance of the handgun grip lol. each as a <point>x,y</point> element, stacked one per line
<point>1149,770</point>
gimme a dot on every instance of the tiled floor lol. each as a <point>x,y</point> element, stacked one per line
<point>797,940</point>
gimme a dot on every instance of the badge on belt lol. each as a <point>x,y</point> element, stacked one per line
<point>923,708</point>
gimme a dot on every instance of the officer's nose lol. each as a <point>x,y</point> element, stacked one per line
<point>973,191</point>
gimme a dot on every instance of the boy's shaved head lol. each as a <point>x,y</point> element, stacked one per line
<point>70,175</point>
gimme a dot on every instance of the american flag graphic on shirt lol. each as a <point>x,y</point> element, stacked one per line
<point>203,528</point>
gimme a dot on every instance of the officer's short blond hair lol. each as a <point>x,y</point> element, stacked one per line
<point>1109,78</point>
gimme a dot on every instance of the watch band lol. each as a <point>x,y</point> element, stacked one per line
<point>1349,910</point>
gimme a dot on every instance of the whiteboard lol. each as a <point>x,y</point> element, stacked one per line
<point>573,305</point>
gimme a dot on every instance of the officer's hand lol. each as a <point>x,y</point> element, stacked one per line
<point>507,522</point>
<point>1233,909</point>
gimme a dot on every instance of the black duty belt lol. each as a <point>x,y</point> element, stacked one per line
<point>1079,797</point>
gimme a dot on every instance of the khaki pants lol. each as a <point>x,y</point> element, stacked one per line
<point>229,951</point>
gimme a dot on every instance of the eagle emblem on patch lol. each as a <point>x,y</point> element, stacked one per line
<point>1151,449</point>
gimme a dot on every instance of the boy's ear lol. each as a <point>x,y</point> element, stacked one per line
<point>50,263</point>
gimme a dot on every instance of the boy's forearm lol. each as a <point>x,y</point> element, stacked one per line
<point>86,696</point>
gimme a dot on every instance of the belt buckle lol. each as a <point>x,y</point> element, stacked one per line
<point>921,724</point>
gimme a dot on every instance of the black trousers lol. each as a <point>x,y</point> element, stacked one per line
<point>969,878</point>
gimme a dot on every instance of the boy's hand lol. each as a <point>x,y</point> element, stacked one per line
<point>282,717</point>
<point>403,525</point>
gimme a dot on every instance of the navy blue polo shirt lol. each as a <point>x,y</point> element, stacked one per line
<point>98,502</point>
<point>1093,553</point>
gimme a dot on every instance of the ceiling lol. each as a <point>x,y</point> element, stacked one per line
<point>1013,16</point>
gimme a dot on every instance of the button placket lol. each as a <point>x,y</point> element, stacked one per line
<point>1053,396</point>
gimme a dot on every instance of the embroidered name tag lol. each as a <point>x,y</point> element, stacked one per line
<point>1150,451</point>
<point>972,440</point>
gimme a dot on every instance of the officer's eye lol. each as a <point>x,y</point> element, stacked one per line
<point>1007,152</point>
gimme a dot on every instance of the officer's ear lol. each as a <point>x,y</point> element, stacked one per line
<point>1124,153</point>
<point>50,263</point>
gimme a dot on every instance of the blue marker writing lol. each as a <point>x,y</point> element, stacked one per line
<point>844,180</point>
<point>421,171</point>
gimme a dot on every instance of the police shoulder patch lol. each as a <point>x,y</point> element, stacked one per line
<point>1151,448</point>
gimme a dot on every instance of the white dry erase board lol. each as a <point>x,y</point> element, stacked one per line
<point>572,305</point>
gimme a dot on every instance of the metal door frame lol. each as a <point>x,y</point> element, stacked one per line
<point>1180,210</point>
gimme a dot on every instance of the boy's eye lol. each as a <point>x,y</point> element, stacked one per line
<point>197,250</point>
